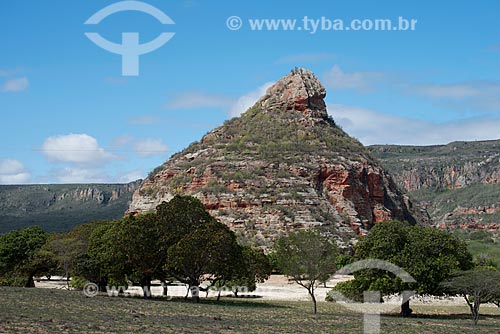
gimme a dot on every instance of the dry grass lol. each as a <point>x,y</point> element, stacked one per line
<point>58,311</point>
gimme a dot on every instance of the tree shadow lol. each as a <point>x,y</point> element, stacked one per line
<point>229,302</point>
<point>244,302</point>
<point>451,316</point>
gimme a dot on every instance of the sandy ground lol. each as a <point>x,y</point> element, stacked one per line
<point>277,287</point>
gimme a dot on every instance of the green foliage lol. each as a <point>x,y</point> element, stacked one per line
<point>208,250</point>
<point>343,260</point>
<point>104,261</point>
<point>308,258</point>
<point>429,255</point>
<point>478,286</point>
<point>18,251</point>
<point>472,196</point>
<point>64,250</point>
<point>483,245</point>
<point>179,240</point>
<point>57,208</point>
<point>180,216</point>
<point>214,186</point>
<point>78,282</point>
<point>253,267</point>
<point>133,249</point>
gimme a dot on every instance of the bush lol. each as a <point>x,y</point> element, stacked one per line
<point>78,282</point>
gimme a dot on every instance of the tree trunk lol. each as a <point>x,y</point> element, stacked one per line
<point>165,289</point>
<point>406,311</point>
<point>30,282</point>
<point>475,312</point>
<point>102,285</point>
<point>218,295</point>
<point>315,304</point>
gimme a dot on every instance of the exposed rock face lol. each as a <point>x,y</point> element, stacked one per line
<point>458,183</point>
<point>282,165</point>
<point>299,91</point>
<point>440,167</point>
<point>58,207</point>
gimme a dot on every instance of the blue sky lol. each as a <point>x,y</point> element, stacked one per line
<point>69,116</point>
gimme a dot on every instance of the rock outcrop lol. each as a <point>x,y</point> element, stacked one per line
<point>282,165</point>
<point>458,183</point>
<point>440,167</point>
<point>58,207</point>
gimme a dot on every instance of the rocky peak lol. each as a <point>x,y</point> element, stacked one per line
<point>299,91</point>
<point>282,165</point>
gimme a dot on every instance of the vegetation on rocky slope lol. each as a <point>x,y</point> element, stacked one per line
<point>59,207</point>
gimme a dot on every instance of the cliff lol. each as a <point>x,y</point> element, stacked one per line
<point>458,183</point>
<point>58,207</point>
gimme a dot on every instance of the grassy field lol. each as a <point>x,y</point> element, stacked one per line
<point>59,311</point>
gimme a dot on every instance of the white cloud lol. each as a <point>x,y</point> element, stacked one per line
<point>248,100</point>
<point>362,81</point>
<point>79,175</point>
<point>76,174</point>
<point>130,176</point>
<point>192,100</point>
<point>304,58</point>
<point>478,95</point>
<point>15,85</point>
<point>75,148</point>
<point>372,127</point>
<point>150,146</point>
<point>454,91</point>
<point>10,166</point>
<point>13,172</point>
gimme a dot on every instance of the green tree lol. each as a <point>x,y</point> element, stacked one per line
<point>429,255</point>
<point>477,286</point>
<point>253,267</point>
<point>135,248</point>
<point>138,240</point>
<point>82,268</point>
<point>64,250</point>
<point>179,217</point>
<point>209,252</point>
<point>104,262</point>
<point>308,258</point>
<point>17,252</point>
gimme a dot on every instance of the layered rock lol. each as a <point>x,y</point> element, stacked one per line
<point>453,166</point>
<point>283,165</point>
<point>458,183</point>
